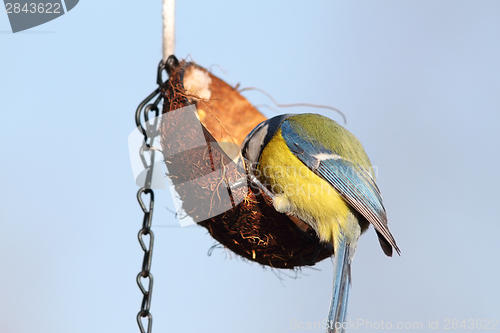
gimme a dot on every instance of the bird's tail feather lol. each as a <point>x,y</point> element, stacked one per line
<point>341,286</point>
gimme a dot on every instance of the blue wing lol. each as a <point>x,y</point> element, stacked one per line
<point>354,183</point>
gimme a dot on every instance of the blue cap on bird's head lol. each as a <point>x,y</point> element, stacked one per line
<point>318,172</point>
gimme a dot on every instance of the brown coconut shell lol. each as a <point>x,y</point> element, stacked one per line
<point>251,228</point>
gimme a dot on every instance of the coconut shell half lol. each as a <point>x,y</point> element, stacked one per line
<point>210,178</point>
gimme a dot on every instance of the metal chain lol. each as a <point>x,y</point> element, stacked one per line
<point>145,273</point>
<point>145,278</point>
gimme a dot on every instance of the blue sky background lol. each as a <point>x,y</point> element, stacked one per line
<point>419,82</point>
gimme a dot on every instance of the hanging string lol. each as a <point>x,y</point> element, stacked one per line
<point>168,29</point>
<point>281,105</point>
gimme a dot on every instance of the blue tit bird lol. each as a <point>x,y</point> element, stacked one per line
<point>318,173</point>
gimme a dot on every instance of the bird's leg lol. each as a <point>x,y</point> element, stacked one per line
<point>261,186</point>
<point>298,222</point>
<point>256,181</point>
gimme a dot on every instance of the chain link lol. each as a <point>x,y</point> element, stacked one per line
<point>145,274</point>
<point>145,235</point>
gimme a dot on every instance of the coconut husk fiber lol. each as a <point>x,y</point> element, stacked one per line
<point>247,223</point>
